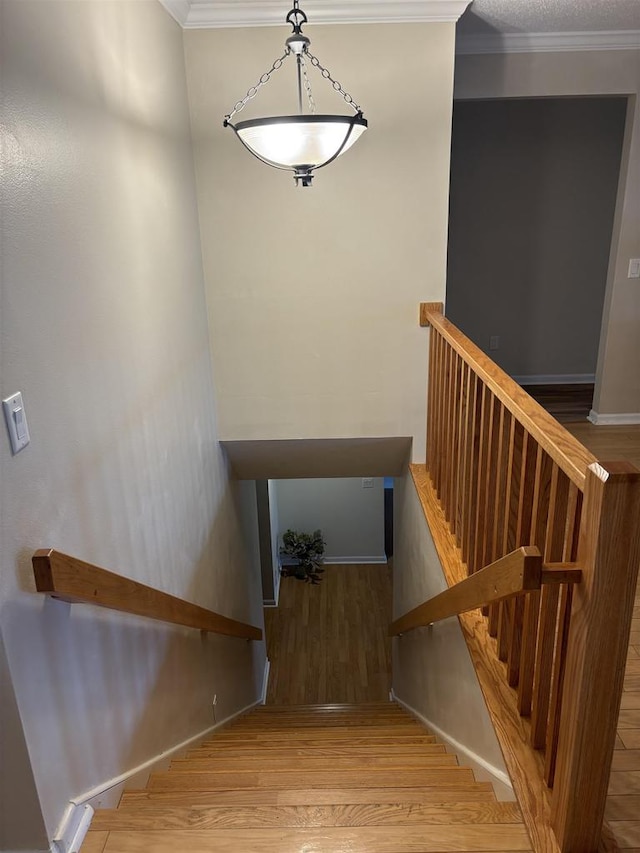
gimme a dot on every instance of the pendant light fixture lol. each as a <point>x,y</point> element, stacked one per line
<point>307,141</point>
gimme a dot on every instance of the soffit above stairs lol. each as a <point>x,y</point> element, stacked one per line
<point>322,457</point>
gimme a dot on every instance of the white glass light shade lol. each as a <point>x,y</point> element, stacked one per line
<point>294,142</point>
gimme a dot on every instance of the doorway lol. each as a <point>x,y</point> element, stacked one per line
<point>533,193</point>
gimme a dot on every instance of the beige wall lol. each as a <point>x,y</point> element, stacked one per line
<point>104,330</point>
<point>313,294</point>
<point>587,73</point>
<point>351,518</point>
<point>432,671</point>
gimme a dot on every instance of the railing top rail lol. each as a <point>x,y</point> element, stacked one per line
<point>565,450</point>
<point>75,581</point>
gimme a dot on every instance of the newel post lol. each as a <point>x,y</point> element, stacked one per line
<point>609,554</point>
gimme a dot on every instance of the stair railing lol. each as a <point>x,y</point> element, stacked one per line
<point>69,579</point>
<point>503,474</point>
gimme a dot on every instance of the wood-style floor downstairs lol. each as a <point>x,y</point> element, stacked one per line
<point>332,779</point>
<point>328,642</point>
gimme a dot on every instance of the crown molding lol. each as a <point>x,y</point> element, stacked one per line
<point>548,42</point>
<point>193,14</point>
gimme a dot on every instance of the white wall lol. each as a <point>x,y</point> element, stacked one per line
<point>313,293</point>
<point>351,518</point>
<point>587,73</point>
<point>432,669</point>
<point>533,193</point>
<point>104,330</point>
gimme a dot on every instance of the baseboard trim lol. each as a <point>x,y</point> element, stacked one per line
<point>73,828</point>
<point>76,817</point>
<point>622,419</point>
<point>556,379</point>
<point>265,681</point>
<point>475,760</point>
<point>336,561</point>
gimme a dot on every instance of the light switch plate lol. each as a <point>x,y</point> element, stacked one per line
<point>634,268</point>
<point>16,419</point>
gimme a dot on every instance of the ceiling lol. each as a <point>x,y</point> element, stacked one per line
<point>487,26</point>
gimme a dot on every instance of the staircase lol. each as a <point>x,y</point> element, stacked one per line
<point>318,779</point>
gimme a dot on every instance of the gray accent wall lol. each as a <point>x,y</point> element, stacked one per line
<point>533,193</point>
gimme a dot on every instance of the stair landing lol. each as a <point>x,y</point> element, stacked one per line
<point>318,779</point>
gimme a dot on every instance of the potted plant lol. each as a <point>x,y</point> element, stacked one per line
<point>307,549</point>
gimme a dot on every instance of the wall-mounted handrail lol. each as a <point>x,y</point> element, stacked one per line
<point>72,580</point>
<point>514,574</point>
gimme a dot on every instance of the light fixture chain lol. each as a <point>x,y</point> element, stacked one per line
<point>307,86</point>
<point>327,76</point>
<point>253,91</point>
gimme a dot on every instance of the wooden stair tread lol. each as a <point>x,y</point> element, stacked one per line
<point>320,732</point>
<point>310,741</point>
<point>470,792</point>
<point>322,780</point>
<point>364,839</point>
<point>210,781</point>
<point>321,749</point>
<point>316,763</point>
<point>363,814</point>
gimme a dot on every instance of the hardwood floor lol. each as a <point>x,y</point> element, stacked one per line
<point>266,790</point>
<point>567,403</point>
<point>328,643</point>
<point>609,443</point>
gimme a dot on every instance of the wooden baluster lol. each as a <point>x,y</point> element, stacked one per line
<point>452,505</point>
<point>500,506</point>
<point>474,400</point>
<point>486,420</point>
<point>440,350</point>
<point>609,554</point>
<point>557,683</point>
<point>530,452</point>
<point>465,384</point>
<point>540,529</point>
<point>514,469</point>
<point>505,620</point>
<point>492,495</point>
<point>431,400</point>
<point>553,552</point>
<point>574,519</point>
<point>448,433</point>
<point>474,473</point>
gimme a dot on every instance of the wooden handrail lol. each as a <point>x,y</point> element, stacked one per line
<point>566,451</point>
<point>511,575</point>
<point>75,581</point>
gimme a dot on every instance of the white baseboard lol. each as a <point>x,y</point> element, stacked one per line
<point>265,681</point>
<point>335,561</point>
<point>500,779</point>
<point>76,817</point>
<point>623,419</point>
<point>73,828</point>
<point>556,379</point>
